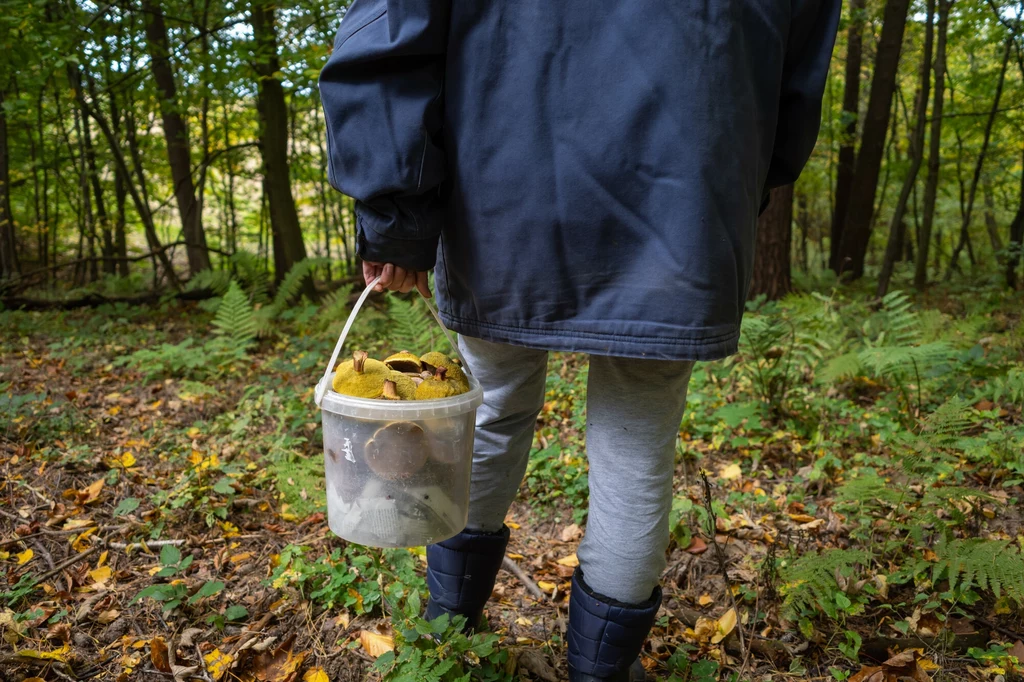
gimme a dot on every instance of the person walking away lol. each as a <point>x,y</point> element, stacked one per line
<point>585,176</point>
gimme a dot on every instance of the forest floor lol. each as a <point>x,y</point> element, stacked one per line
<point>162,518</point>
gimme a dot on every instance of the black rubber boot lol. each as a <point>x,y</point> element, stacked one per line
<point>605,636</point>
<point>461,572</point>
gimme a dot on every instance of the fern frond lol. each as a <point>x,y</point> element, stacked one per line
<point>870,490</point>
<point>235,318</point>
<point>411,326</point>
<point>845,366</point>
<point>811,579</point>
<point>901,361</point>
<point>291,285</point>
<point>993,565</point>
<point>216,281</point>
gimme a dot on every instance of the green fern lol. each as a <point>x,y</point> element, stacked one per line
<point>811,579</point>
<point>1010,386</point>
<point>993,565</point>
<point>252,275</point>
<point>235,319</point>
<point>291,286</point>
<point>411,327</point>
<point>216,281</point>
<point>899,324</point>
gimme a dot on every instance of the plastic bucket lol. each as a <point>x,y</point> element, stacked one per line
<point>397,472</point>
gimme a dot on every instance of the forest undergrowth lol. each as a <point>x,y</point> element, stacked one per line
<point>849,500</point>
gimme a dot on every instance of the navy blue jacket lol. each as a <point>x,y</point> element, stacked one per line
<point>587,174</point>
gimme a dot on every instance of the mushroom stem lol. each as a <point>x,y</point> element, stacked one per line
<point>389,390</point>
<point>440,373</point>
<point>359,360</point>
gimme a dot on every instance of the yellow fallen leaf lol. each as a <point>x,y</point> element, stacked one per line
<point>724,625</point>
<point>731,472</point>
<point>513,555</point>
<point>374,644</point>
<point>217,663</point>
<point>127,460</point>
<point>79,544</point>
<point>315,675</point>
<point>105,617</point>
<point>74,524</point>
<point>239,558</point>
<point>91,493</point>
<point>928,664</point>
<point>55,655</point>
<point>25,557</point>
<point>545,585</point>
<point>705,599</point>
<point>524,621</point>
<point>513,525</point>
<point>571,561</point>
<point>4,555</point>
<point>100,575</point>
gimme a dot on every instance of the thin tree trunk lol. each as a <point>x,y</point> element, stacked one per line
<point>931,185</point>
<point>897,227</point>
<point>991,226</point>
<point>1015,247</point>
<point>141,207</point>
<point>851,108</point>
<point>101,206</point>
<point>176,134</point>
<point>771,276</point>
<point>972,192</point>
<point>120,196</point>
<point>857,226</point>
<point>289,247</point>
<point>8,254</point>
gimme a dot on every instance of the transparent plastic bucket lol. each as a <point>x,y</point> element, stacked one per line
<point>397,472</point>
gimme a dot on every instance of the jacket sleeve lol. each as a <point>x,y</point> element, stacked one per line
<point>382,96</point>
<point>808,54</point>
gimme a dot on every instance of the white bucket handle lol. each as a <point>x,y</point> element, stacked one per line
<point>325,382</point>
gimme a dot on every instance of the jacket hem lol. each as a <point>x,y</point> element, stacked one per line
<point>691,344</point>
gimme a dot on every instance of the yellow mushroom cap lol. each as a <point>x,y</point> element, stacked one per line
<point>403,361</point>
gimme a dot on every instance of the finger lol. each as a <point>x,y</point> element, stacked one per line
<point>386,276</point>
<point>409,282</point>
<point>398,279</point>
<point>423,284</point>
<point>370,271</point>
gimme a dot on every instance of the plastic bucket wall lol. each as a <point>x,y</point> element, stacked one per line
<point>398,472</point>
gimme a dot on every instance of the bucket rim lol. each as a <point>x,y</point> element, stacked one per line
<point>371,408</point>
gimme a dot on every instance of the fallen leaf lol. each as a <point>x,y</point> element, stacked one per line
<point>871,673</point>
<point>731,472</point>
<point>571,533</point>
<point>374,644</point>
<point>55,655</point>
<point>101,575</point>
<point>25,557</point>
<point>184,673</point>
<point>73,524</point>
<point>536,663</point>
<point>801,518</point>
<point>1017,650</point>
<point>106,617</point>
<point>188,637</point>
<point>705,599</point>
<point>545,585</point>
<point>725,625</point>
<point>697,546</point>
<point>158,654</point>
<point>315,675</point>
<point>217,663</point>
<point>570,561</point>
<point>91,493</point>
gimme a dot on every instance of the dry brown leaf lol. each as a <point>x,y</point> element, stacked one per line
<point>375,644</point>
<point>158,654</point>
<point>571,533</point>
<point>869,674</point>
<point>91,493</point>
<point>697,546</point>
<point>188,637</point>
<point>536,663</point>
<point>106,617</point>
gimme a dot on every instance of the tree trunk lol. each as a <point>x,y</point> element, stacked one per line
<point>857,225</point>
<point>772,249</point>
<point>176,134</point>
<point>991,226</point>
<point>102,218</point>
<point>1015,248</point>
<point>851,108</point>
<point>897,228</point>
<point>120,196</point>
<point>8,256</point>
<point>972,192</point>
<point>289,248</point>
<point>931,185</point>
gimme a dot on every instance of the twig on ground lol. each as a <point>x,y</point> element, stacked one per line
<point>139,545</point>
<point>73,560</point>
<point>720,554</point>
<point>43,553</point>
<point>531,587</point>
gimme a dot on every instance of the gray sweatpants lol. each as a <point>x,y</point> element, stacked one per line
<point>634,408</point>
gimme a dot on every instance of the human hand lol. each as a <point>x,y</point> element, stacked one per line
<point>395,278</point>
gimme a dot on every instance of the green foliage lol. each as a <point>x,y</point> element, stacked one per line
<point>291,286</point>
<point>811,581</point>
<point>175,593</point>
<point>412,328</point>
<point>235,321</point>
<point>992,565</point>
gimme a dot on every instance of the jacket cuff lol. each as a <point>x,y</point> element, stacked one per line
<point>376,246</point>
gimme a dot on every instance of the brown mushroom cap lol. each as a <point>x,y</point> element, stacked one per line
<point>397,451</point>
